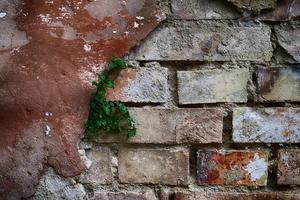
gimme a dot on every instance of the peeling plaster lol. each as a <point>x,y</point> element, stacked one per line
<point>49,66</point>
<point>257,168</point>
<point>3,14</point>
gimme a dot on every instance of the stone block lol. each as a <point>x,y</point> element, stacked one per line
<point>154,166</point>
<point>213,86</point>
<point>266,125</point>
<point>232,167</point>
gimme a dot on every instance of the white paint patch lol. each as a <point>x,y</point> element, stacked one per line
<point>47,131</point>
<point>114,161</point>
<point>159,18</point>
<point>257,168</point>
<point>87,162</point>
<point>45,18</point>
<point>136,25</point>
<point>285,158</point>
<point>48,114</point>
<point>2,14</point>
<point>87,47</point>
<point>140,17</point>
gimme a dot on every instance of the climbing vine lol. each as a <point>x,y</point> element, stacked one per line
<point>108,117</point>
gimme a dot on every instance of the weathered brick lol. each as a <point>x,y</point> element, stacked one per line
<point>289,40</point>
<point>163,126</point>
<point>142,84</point>
<point>267,125</point>
<point>155,166</point>
<point>232,167</point>
<point>288,167</point>
<point>54,187</point>
<point>203,9</point>
<point>285,11</point>
<point>255,6</point>
<point>206,41</point>
<point>100,171</point>
<point>197,195</point>
<point>105,195</point>
<point>211,86</point>
<point>279,84</point>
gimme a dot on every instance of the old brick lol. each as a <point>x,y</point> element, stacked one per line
<point>197,195</point>
<point>203,9</point>
<point>279,84</point>
<point>288,167</point>
<point>288,39</point>
<point>126,195</point>
<point>232,168</point>
<point>54,187</point>
<point>143,84</point>
<point>255,6</point>
<point>267,125</point>
<point>100,171</point>
<point>155,166</point>
<point>211,86</point>
<point>163,126</point>
<point>284,11</point>
<point>206,41</point>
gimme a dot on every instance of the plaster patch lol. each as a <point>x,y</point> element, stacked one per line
<point>257,168</point>
<point>87,47</point>
<point>2,14</point>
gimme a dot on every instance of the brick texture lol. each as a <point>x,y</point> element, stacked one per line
<point>203,9</point>
<point>214,91</point>
<point>232,168</point>
<point>288,167</point>
<point>267,125</point>
<point>212,86</point>
<point>126,195</point>
<point>170,126</point>
<point>206,42</point>
<point>155,166</point>
<point>100,171</point>
<point>140,85</point>
<point>235,196</point>
<point>288,39</point>
<point>255,6</point>
<point>279,84</point>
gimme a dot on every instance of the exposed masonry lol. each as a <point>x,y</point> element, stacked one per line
<point>214,92</point>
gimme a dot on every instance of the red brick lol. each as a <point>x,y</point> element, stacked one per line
<point>235,196</point>
<point>232,168</point>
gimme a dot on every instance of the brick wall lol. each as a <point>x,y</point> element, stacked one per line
<point>215,93</point>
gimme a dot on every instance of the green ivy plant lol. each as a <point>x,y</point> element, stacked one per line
<point>108,117</point>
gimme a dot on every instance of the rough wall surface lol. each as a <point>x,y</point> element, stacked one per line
<point>49,52</point>
<point>214,91</point>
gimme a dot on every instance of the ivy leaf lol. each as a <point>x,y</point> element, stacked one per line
<point>117,62</point>
<point>131,133</point>
<point>108,116</point>
<point>110,83</point>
